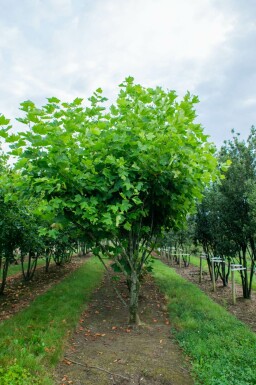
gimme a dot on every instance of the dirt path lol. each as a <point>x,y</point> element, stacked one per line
<point>104,350</point>
<point>244,310</point>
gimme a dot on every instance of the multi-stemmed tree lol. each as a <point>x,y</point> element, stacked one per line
<point>120,174</point>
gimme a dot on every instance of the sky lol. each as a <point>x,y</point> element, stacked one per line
<point>69,48</point>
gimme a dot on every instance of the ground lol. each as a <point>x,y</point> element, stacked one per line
<point>105,350</point>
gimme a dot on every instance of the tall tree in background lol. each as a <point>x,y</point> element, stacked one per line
<point>120,175</point>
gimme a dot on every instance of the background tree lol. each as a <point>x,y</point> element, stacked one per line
<point>211,232</point>
<point>226,217</point>
<point>119,175</point>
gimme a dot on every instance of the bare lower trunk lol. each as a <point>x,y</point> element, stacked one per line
<point>134,299</point>
<point>4,266</point>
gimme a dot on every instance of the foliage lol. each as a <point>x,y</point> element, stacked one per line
<point>221,348</point>
<point>119,175</point>
<point>16,375</point>
<point>11,223</point>
<point>226,217</point>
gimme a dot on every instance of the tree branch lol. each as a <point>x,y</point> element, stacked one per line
<point>96,367</point>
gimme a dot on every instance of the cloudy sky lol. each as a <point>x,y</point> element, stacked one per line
<point>68,48</point>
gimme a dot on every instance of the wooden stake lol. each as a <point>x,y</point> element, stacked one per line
<point>233,287</point>
<point>213,277</point>
<point>201,269</point>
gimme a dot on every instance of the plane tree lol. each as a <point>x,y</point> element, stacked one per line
<point>120,174</point>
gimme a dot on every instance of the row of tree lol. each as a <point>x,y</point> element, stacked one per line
<point>23,239</point>
<point>226,219</point>
<point>224,225</point>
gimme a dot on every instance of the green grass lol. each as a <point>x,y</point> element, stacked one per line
<point>32,341</point>
<point>196,262</point>
<point>14,269</point>
<point>221,348</point>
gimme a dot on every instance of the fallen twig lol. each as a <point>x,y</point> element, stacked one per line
<point>96,367</point>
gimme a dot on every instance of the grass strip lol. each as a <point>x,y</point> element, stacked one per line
<point>222,349</point>
<point>32,341</point>
<point>14,269</point>
<point>195,261</point>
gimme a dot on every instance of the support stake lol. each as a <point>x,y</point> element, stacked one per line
<point>201,269</point>
<point>233,287</point>
<point>213,277</point>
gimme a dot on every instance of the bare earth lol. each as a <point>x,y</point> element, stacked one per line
<point>105,350</point>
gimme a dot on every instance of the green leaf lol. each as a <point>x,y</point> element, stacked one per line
<point>127,226</point>
<point>53,100</point>
<point>40,129</point>
<point>4,121</point>
<point>12,138</point>
<point>150,136</point>
<point>27,105</point>
<point>3,133</point>
<point>77,101</point>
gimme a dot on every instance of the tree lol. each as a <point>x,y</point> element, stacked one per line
<point>10,223</point>
<point>226,217</point>
<point>120,175</point>
<point>211,232</point>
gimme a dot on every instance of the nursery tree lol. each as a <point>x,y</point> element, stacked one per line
<point>226,217</point>
<point>13,218</point>
<point>120,174</point>
<point>238,208</point>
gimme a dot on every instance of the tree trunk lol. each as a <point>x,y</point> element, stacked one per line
<point>48,255</point>
<point>4,266</point>
<point>134,299</point>
<point>28,273</point>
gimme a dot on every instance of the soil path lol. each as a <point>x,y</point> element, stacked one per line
<point>244,310</point>
<point>104,350</point>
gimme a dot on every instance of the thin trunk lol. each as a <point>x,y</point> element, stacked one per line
<point>29,272</point>
<point>253,260</point>
<point>134,299</point>
<point>5,266</point>
<point>48,256</point>
<point>244,274</point>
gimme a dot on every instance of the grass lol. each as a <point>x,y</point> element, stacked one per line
<point>221,348</point>
<point>14,269</point>
<point>196,262</point>
<point>32,341</point>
